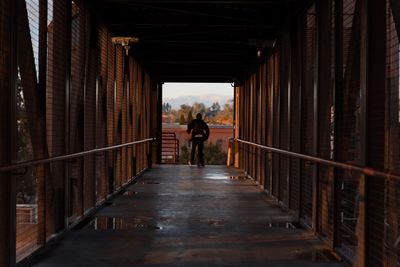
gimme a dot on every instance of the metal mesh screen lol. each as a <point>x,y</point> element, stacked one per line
<point>75,118</point>
<point>101,128</point>
<point>275,122</point>
<point>76,91</point>
<point>295,122</point>
<point>119,61</point>
<point>348,148</point>
<point>27,211</point>
<point>392,214</point>
<point>284,118</point>
<point>89,109</point>
<point>326,77</point>
<point>307,113</point>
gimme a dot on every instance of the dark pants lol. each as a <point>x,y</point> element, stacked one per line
<point>200,156</point>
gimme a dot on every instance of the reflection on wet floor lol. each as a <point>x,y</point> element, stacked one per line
<point>287,225</point>
<point>110,223</point>
<point>179,216</point>
<point>130,193</point>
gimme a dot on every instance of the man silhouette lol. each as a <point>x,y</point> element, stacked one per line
<point>200,133</point>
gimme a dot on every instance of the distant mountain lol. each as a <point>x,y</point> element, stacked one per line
<point>207,100</point>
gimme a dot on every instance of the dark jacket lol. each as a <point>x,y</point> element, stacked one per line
<point>199,129</point>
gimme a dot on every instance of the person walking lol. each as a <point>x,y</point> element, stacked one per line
<point>200,133</point>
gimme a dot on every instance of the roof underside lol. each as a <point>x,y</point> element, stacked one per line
<point>197,40</point>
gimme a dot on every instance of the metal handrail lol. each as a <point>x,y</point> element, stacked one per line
<point>364,170</point>
<point>25,164</point>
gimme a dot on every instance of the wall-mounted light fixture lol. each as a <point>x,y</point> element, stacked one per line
<point>259,52</point>
<point>125,42</point>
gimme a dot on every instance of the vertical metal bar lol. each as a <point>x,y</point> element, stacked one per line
<point>289,117</point>
<point>374,96</point>
<point>315,182</point>
<point>338,106</point>
<point>271,119</point>
<point>300,43</point>
<point>324,112</point>
<point>236,108</point>
<point>41,238</point>
<point>159,122</point>
<point>361,220</point>
<point>67,28</point>
<point>8,74</point>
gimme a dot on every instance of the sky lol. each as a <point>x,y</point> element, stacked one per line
<point>173,90</point>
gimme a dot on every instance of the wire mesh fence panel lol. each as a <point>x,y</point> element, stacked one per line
<point>26,112</point>
<point>348,121</point>
<point>276,125</point>
<point>101,128</point>
<point>119,59</point>
<point>326,78</point>
<point>90,113</point>
<point>392,191</point>
<point>285,88</point>
<point>307,113</point>
<point>110,112</point>
<point>295,115</point>
<point>65,102</point>
<point>263,123</point>
<point>76,114</point>
<point>268,182</point>
<point>130,115</point>
<point>125,126</point>
<point>348,129</point>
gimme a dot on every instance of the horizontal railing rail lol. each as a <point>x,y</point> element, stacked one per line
<point>29,163</point>
<point>350,167</point>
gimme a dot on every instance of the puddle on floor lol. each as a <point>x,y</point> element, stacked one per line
<point>323,255</point>
<point>113,223</point>
<point>149,182</point>
<point>287,225</point>
<point>130,193</point>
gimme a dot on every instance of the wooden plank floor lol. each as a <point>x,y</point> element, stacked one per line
<point>190,216</point>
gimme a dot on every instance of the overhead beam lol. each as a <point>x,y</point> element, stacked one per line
<point>191,12</point>
<point>208,2</point>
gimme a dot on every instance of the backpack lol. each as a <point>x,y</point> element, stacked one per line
<point>198,130</point>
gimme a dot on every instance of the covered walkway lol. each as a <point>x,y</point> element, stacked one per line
<point>316,127</point>
<point>189,216</point>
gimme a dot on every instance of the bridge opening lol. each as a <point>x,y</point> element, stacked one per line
<point>181,103</point>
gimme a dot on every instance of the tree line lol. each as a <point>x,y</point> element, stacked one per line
<point>214,115</point>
